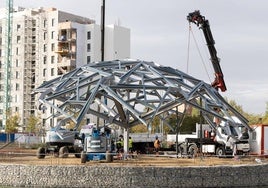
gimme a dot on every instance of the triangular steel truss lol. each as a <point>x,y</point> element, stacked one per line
<point>131,92</point>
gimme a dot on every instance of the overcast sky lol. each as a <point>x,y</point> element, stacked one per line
<point>160,33</point>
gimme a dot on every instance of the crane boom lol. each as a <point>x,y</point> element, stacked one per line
<point>196,18</point>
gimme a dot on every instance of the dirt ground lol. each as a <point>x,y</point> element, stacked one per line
<point>27,156</point>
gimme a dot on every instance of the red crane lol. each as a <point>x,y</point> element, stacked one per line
<point>196,18</point>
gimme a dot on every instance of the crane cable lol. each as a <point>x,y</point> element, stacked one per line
<point>188,53</point>
<point>188,50</point>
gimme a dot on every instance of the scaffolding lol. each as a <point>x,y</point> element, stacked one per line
<point>8,60</point>
<point>31,30</point>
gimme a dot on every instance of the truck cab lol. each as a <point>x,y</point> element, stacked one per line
<point>232,138</point>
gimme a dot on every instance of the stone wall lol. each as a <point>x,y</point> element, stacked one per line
<point>104,176</point>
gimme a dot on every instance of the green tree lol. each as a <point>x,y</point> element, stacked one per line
<point>139,129</point>
<point>155,124</point>
<point>12,122</point>
<point>188,124</point>
<point>236,106</point>
<point>252,118</point>
<point>143,129</point>
<point>265,117</point>
<point>33,123</point>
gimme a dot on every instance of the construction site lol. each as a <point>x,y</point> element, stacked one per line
<point>87,111</point>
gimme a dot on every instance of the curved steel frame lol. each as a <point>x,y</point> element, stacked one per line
<point>130,92</point>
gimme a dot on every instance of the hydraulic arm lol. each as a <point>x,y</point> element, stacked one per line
<point>200,20</point>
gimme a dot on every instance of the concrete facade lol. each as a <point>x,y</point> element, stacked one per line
<point>47,43</point>
<point>124,176</point>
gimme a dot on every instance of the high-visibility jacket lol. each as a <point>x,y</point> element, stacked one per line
<point>120,143</point>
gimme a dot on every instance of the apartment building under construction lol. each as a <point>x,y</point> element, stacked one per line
<point>47,43</point>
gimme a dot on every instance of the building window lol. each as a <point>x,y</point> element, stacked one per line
<point>52,47</point>
<point>34,39</point>
<point>45,60</point>
<point>88,35</point>
<point>88,47</point>
<point>53,22</point>
<point>44,72</point>
<point>52,72</point>
<point>17,86</point>
<point>88,59</point>
<point>18,39</point>
<point>17,63</point>
<point>17,51</point>
<point>18,27</point>
<point>17,74</point>
<point>52,59</point>
<point>16,109</point>
<point>51,121</point>
<point>1,87</point>
<point>52,34</point>
<point>45,24</point>
<point>45,47</point>
<point>45,35</point>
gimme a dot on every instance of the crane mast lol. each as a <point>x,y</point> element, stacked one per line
<point>8,59</point>
<point>196,18</point>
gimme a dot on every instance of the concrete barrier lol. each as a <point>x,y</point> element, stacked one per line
<point>127,176</point>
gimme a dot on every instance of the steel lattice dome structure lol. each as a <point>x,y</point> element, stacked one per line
<point>132,92</point>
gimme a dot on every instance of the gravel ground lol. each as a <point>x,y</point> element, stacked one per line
<point>22,156</point>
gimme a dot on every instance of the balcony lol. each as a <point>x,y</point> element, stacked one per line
<point>62,51</point>
<point>65,62</point>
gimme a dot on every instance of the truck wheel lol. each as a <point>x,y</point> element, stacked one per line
<point>83,157</point>
<point>193,150</point>
<point>63,152</point>
<point>56,154</point>
<point>77,153</point>
<point>220,151</point>
<point>182,149</point>
<point>41,153</point>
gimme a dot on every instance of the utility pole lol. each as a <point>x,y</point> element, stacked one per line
<point>102,44</point>
<point>8,59</point>
<point>102,29</point>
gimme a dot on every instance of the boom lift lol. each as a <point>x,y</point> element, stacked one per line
<point>196,18</point>
<point>97,143</point>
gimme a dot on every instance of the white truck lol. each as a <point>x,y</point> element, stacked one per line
<point>226,140</point>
